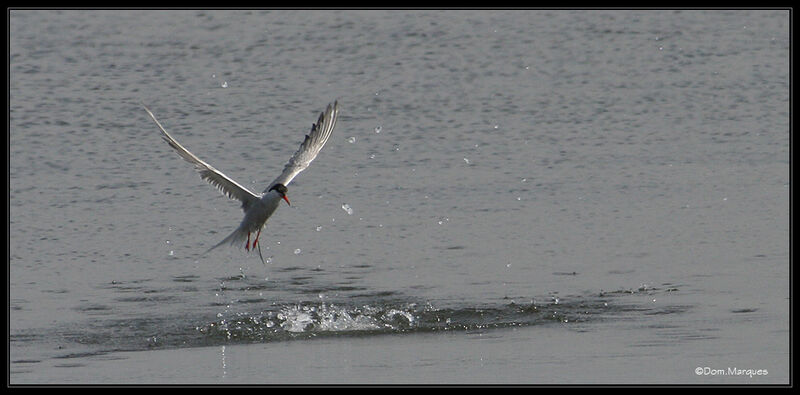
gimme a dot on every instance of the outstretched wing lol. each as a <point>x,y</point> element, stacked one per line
<point>230,188</point>
<point>313,143</point>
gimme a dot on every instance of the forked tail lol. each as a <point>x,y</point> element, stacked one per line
<point>237,238</point>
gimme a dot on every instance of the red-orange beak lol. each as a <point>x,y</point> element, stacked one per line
<point>287,200</point>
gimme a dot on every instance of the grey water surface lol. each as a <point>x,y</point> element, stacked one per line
<point>509,197</point>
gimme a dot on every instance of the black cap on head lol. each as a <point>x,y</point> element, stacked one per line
<point>280,188</point>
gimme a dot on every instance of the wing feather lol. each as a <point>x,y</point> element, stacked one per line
<point>311,146</point>
<point>227,186</point>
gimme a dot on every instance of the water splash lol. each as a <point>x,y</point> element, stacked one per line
<point>316,319</point>
<point>270,321</point>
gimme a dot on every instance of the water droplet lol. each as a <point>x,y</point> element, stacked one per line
<point>224,84</point>
<point>346,207</point>
<point>372,156</point>
<point>351,140</point>
<point>319,228</point>
<point>171,253</point>
<point>297,251</point>
<point>378,129</point>
<point>466,160</point>
<point>268,260</point>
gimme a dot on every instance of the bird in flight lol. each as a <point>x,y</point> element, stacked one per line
<point>259,207</point>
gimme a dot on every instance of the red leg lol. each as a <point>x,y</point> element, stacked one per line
<point>247,246</point>
<point>256,242</point>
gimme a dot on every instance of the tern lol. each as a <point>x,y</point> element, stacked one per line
<point>259,207</point>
